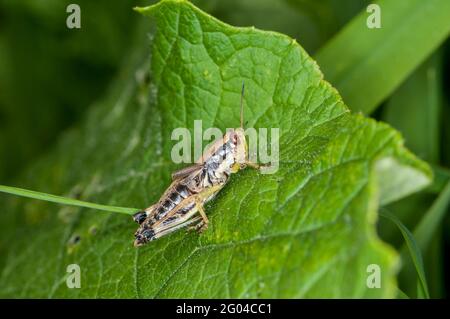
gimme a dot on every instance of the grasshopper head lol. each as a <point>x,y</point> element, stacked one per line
<point>240,151</point>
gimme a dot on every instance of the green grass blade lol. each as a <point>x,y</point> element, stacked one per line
<point>367,65</point>
<point>64,200</point>
<point>414,250</point>
<point>432,219</point>
<point>422,94</point>
<point>420,292</point>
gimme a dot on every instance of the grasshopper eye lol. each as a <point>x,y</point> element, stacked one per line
<point>234,138</point>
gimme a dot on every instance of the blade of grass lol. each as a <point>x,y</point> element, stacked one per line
<point>427,231</point>
<point>420,293</point>
<point>422,94</point>
<point>366,65</point>
<point>64,200</point>
<point>432,219</point>
<point>413,248</point>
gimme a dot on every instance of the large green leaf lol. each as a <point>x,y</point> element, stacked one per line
<point>306,231</point>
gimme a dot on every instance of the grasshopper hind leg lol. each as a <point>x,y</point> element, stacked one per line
<point>203,225</point>
<point>200,227</point>
<point>199,200</point>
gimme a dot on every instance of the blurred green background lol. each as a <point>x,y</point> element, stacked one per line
<point>50,75</point>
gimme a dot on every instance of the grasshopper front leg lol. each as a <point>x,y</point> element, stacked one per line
<point>253,165</point>
<point>250,164</point>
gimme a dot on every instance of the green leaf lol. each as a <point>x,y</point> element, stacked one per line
<point>366,65</point>
<point>306,231</point>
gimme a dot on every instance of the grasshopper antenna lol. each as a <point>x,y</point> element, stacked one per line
<point>242,105</point>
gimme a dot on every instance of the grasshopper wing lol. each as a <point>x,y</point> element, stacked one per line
<point>184,172</point>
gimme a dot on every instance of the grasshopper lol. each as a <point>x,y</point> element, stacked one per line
<point>182,203</point>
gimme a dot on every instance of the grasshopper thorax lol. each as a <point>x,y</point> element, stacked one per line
<point>227,155</point>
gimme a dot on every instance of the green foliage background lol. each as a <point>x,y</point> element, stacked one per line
<point>57,85</point>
